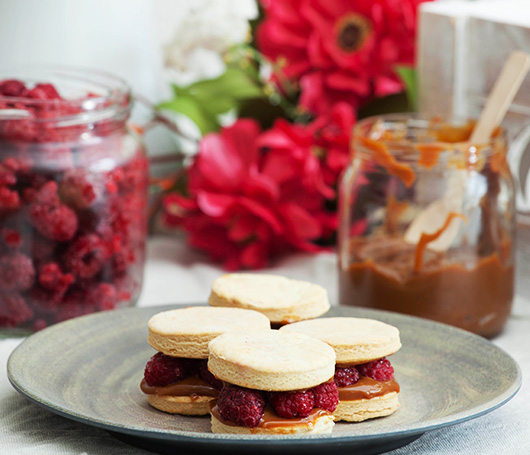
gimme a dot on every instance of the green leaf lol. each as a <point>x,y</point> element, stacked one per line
<point>409,77</point>
<point>205,100</point>
<point>188,106</point>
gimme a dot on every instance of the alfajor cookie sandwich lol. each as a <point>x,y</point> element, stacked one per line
<point>282,300</point>
<point>363,374</point>
<point>274,383</point>
<point>176,379</point>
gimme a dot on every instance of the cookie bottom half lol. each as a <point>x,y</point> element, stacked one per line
<point>359,410</point>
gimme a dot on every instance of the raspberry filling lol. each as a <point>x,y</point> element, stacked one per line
<point>163,370</point>
<point>72,210</point>
<point>247,407</point>
<point>365,381</point>
<point>379,370</point>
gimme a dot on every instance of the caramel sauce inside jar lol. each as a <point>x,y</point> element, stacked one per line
<point>470,292</point>
<point>366,388</point>
<point>270,420</point>
<point>192,387</point>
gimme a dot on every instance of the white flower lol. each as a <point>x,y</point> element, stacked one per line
<point>204,35</point>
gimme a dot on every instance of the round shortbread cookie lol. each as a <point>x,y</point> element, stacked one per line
<point>355,340</point>
<point>186,332</point>
<point>282,300</point>
<point>359,410</point>
<point>271,360</point>
<point>196,406</point>
<point>321,425</point>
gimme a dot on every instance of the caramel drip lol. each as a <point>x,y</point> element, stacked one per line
<point>192,386</point>
<point>429,154</point>
<point>382,156</point>
<point>425,239</point>
<point>270,420</point>
<point>366,388</point>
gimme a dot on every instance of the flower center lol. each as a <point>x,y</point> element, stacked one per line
<point>352,31</point>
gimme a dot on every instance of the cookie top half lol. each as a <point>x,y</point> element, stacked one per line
<point>271,360</point>
<point>281,299</point>
<point>355,340</point>
<point>186,332</point>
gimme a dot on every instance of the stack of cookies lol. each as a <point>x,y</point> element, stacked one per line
<point>226,361</point>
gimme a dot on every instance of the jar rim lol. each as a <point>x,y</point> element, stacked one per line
<point>95,95</point>
<point>371,127</point>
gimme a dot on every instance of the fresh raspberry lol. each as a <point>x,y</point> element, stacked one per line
<point>326,396</point>
<point>346,376</point>
<point>52,278</point>
<point>208,377</point>
<point>379,369</point>
<point>12,87</point>
<point>292,404</point>
<point>163,369</point>
<point>13,310</point>
<point>16,272</point>
<point>244,407</point>
<point>86,256</point>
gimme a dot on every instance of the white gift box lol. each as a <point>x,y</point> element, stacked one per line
<point>462,47</point>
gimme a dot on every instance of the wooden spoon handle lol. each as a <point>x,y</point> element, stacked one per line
<point>501,96</point>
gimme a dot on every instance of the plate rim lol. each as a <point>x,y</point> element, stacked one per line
<point>180,436</point>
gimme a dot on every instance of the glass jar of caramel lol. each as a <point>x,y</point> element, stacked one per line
<point>427,222</point>
<point>73,196</point>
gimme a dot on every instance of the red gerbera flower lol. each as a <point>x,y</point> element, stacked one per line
<point>253,196</point>
<point>339,50</point>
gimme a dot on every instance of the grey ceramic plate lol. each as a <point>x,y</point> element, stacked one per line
<point>89,369</point>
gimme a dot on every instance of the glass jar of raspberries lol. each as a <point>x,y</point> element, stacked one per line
<point>73,196</point>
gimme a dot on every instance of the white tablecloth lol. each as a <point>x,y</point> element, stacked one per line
<point>175,274</point>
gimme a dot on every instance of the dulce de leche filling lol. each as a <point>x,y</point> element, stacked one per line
<point>192,386</point>
<point>366,388</point>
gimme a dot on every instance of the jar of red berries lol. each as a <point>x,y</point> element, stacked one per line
<point>73,195</point>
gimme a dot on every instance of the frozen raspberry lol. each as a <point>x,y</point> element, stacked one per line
<point>71,308</point>
<point>244,407</point>
<point>9,199</point>
<point>163,369</point>
<point>55,222</point>
<point>77,190</point>
<point>43,92</point>
<point>52,278</point>
<point>86,256</point>
<point>16,272</point>
<point>46,301</point>
<point>42,249</point>
<point>208,377</point>
<point>11,238</point>
<point>7,177</point>
<point>379,369</point>
<point>346,376</point>
<point>12,87</point>
<point>292,404</point>
<point>13,310</point>
<point>104,296</point>
<point>52,219</point>
<point>326,396</point>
